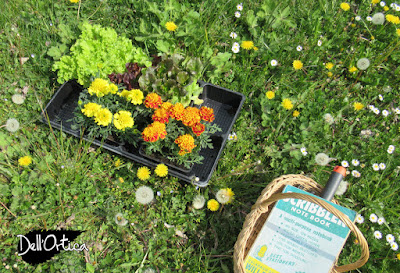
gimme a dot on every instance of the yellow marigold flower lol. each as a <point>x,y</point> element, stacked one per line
<point>358,106</point>
<point>90,109</point>
<point>178,111</point>
<point>171,26</point>
<point>103,117</point>
<point>297,64</point>
<point>398,32</point>
<point>136,96</point>
<point>143,173</point>
<point>25,161</point>
<point>330,74</point>
<point>161,170</point>
<point>270,95</point>
<point>329,66</point>
<point>99,87</point>
<point>296,113</point>
<point>123,120</point>
<point>191,116</point>
<point>375,1</point>
<point>213,205</point>
<point>167,106</point>
<point>353,69</point>
<point>112,88</point>
<point>247,45</point>
<point>161,115</point>
<point>287,104</point>
<point>345,6</point>
<point>185,143</point>
<point>153,101</point>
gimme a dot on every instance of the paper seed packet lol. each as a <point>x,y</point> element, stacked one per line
<point>298,237</point>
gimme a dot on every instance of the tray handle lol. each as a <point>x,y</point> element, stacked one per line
<point>265,206</point>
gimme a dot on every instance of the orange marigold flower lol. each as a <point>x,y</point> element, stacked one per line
<point>167,106</point>
<point>161,115</point>
<point>191,116</point>
<point>177,111</point>
<point>152,101</point>
<point>154,131</point>
<point>207,114</point>
<point>185,143</point>
<point>198,129</point>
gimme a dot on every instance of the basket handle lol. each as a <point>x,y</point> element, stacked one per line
<point>344,218</point>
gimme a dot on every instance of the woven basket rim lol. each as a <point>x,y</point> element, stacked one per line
<point>266,200</point>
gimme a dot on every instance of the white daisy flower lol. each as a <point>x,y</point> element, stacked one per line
<point>397,110</point>
<point>385,113</point>
<point>359,219</point>
<point>371,107</point>
<point>390,149</point>
<point>390,238</point>
<point>382,3</point>
<point>299,48</point>
<point>319,43</point>
<point>394,246</point>
<point>380,97</point>
<point>355,173</point>
<point>232,136</point>
<point>358,18</point>
<point>378,235</point>
<point>397,7</point>
<point>235,47</point>
<point>345,163</point>
<point>375,166</point>
<point>233,35</point>
<point>376,111</point>
<point>392,5</point>
<point>381,220</point>
<point>237,14</point>
<point>373,218</point>
<point>274,63</point>
<point>355,162</point>
<point>304,151</point>
<point>382,166</point>
<point>239,7</point>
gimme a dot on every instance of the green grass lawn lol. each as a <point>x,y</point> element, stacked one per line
<point>318,76</point>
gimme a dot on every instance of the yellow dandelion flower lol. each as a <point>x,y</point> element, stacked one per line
<point>297,64</point>
<point>398,32</point>
<point>117,163</point>
<point>231,194</point>
<point>375,1</point>
<point>385,8</point>
<point>353,69</point>
<point>143,173</point>
<point>247,45</point>
<point>25,160</point>
<point>171,26</point>
<point>123,120</point>
<point>329,66</point>
<point>270,95</point>
<point>213,205</point>
<point>296,113</point>
<point>121,180</point>
<point>287,104</point>
<point>345,6</point>
<point>74,1</point>
<point>161,170</point>
<point>358,106</point>
<point>103,117</point>
<point>330,74</point>
<point>398,256</point>
<point>90,109</point>
<point>255,48</point>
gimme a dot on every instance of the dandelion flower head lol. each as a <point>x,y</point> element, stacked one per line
<point>171,26</point>
<point>270,95</point>
<point>199,201</point>
<point>213,205</point>
<point>224,196</point>
<point>345,6</point>
<point>358,106</point>
<point>18,99</point>
<point>363,63</point>
<point>144,195</point>
<point>329,66</point>
<point>120,220</point>
<point>322,159</point>
<point>247,45</point>
<point>12,125</point>
<point>353,69</point>
<point>296,113</point>
<point>378,18</point>
<point>25,160</point>
<point>297,64</point>
<point>329,119</point>
<point>161,170</point>
<point>143,173</point>
<point>287,104</point>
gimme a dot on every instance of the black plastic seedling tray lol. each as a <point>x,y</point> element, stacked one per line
<point>226,104</point>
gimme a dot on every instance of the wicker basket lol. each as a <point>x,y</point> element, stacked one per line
<point>273,192</point>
